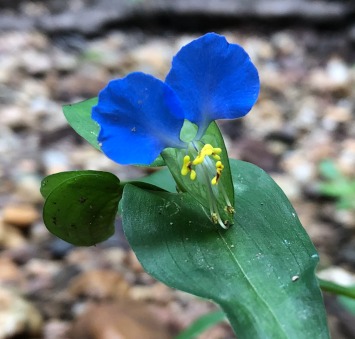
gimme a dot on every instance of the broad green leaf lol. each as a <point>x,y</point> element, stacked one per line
<point>81,206</point>
<point>199,190</point>
<point>260,271</point>
<point>202,324</point>
<point>79,117</point>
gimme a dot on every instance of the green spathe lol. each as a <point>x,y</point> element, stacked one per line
<point>221,195</point>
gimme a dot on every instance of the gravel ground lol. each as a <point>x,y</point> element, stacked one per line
<point>304,115</point>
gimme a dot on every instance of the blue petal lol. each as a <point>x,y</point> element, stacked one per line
<point>139,116</point>
<point>214,80</point>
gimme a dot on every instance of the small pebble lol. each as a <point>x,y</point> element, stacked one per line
<point>23,215</point>
<point>18,317</point>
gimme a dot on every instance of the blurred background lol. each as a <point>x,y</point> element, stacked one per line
<point>301,131</point>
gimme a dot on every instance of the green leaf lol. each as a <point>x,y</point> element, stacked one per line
<point>346,202</point>
<point>328,169</point>
<point>202,324</point>
<point>52,181</point>
<point>81,206</point>
<point>162,179</point>
<point>79,117</point>
<point>336,188</point>
<point>198,189</point>
<point>260,271</point>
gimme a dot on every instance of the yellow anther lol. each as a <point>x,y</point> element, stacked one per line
<point>193,175</point>
<point>198,160</point>
<point>230,209</point>
<point>214,218</point>
<point>201,155</point>
<point>216,152</point>
<point>186,166</point>
<point>219,169</point>
<point>207,150</point>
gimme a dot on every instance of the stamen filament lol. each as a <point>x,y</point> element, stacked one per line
<point>229,206</point>
<point>211,199</point>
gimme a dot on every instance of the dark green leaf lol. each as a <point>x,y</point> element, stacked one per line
<point>202,324</point>
<point>52,181</point>
<point>81,206</point>
<point>260,271</point>
<point>79,117</point>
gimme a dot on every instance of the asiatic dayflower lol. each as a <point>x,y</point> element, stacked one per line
<point>140,115</point>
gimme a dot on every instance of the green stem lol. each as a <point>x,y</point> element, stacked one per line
<point>331,287</point>
<point>202,324</point>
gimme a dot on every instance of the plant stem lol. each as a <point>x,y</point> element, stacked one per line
<point>331,287</point>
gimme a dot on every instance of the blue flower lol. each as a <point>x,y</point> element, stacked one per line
<point>139,115</point>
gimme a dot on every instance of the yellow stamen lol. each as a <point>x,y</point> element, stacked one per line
<point>230,209</point>
<point>210,160</point>
<point>217,150</point>
<point>207,150</point>
<point>198,160</point>
<point>219,169</point>
<point>214,218</point>
<point>186,166</point>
